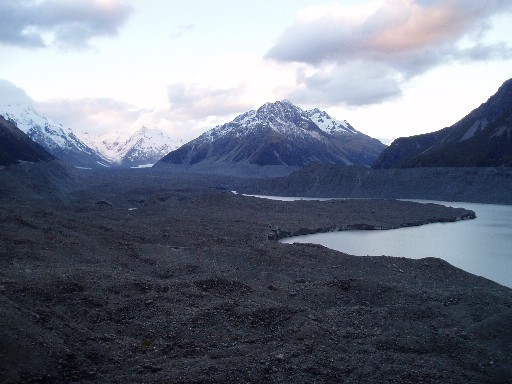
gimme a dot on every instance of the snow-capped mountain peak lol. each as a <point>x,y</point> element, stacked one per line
<point>146,146</point>
<point>29,121</point>
<point>284,118</point>
<point>327,124</point>
<point>279,133</point>
<point>60,141</point>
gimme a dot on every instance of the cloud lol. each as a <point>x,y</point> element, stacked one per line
<point>94,115</point>
<point>191,110</point>
<point>192,102</point>
<point>352,84</point>
<point>67,24</point>
<point>11,94</point>
<point>400,38</point>
<point>103,116</point>
<point>106,116</point>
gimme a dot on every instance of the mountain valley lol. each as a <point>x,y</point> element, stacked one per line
<point>163,274</point>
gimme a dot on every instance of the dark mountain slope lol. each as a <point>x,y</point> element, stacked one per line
<point>16,146</point>
<point>481,139</point>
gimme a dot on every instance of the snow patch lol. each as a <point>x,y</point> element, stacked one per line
<point>472,131</point>
<point>328,124</point>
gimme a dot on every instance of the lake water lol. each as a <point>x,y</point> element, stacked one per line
<point>482,246</point>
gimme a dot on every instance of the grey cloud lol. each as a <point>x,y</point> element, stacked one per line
<point>390,32</point>
<point>480,52</point>
<point>72,23</point>
<point>354,84</point>
<point>192,102</point>
<point>407,37</point>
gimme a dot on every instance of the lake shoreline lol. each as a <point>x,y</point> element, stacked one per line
<point>481,247</point>
<point>187,288</point>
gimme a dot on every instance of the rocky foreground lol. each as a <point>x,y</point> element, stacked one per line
<point>174,279</point>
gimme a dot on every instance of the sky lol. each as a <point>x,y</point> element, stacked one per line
<point>391,68</point>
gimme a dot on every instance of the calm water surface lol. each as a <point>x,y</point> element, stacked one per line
<point>482,246</point>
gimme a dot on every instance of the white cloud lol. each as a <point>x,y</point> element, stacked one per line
<point>11,94</point>
<point>401,39</point>
<point>94,115</point>
<point>193,102</point>
<point>99,116</point>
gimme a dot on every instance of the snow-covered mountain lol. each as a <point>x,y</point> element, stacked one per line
<point>279,133</point>
<point>58,140</point>
<point>147,146</point>
<point>144,148</point>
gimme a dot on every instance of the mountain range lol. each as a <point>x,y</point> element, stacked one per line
<point>283,136</point>
<point>481,139</point>
<point>278,134</point>
<point>144,147</point>
<point>58,140</point>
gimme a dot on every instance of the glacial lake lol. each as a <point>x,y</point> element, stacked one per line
<point>482,246</point>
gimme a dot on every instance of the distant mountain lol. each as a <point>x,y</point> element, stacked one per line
<point>16,146</point>
<point>278,134</point>
<point>61,142</point>
<point>145,147</point>
<point>481,139</point>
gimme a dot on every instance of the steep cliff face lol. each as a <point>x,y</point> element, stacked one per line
<point>481,139</point>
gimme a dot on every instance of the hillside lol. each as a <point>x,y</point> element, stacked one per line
<point>479,185</point>
<point>16,146</point>
<point>481,139</point>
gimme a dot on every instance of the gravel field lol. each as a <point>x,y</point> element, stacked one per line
<point>141,277</point>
